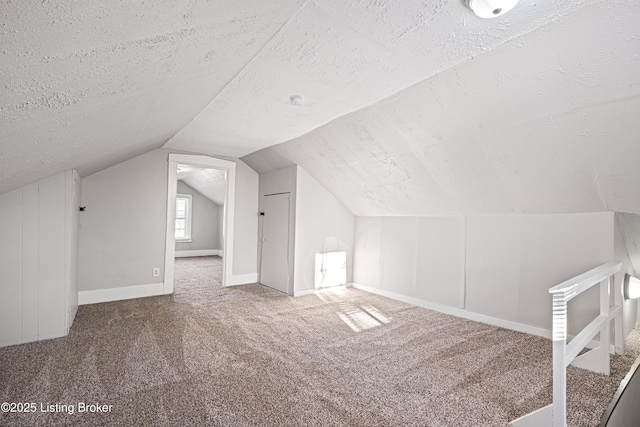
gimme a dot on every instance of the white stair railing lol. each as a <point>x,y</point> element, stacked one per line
<point>564,353</point>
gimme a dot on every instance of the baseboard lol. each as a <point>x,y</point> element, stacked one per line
<point>117,294</point>
<point>15,342</point>
<point>31,338</point>
<point>242,279</point>
<point>459,312</point>
<point>201,252</point>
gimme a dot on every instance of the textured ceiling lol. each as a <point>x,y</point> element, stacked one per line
<point>86,84</point>
<point>341,56</point>
<point>89,84</point>
<point>211,183</point>
<point>547,123</point>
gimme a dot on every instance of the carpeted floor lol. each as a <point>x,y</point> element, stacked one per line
<point>251,356</point>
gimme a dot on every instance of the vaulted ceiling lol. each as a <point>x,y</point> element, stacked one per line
<point>412,107</point>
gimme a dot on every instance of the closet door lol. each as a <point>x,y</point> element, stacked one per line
<point>274,269</point>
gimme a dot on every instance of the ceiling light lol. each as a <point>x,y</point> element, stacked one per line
<point>631,287</point>
<point>491,8</point>
<point>296,100</point>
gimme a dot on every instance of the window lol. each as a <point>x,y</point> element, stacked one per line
<point>183,218</point>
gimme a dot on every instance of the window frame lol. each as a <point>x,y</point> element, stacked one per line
<point>188,218</point>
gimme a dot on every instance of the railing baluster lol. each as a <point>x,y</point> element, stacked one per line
<point>559,351</point>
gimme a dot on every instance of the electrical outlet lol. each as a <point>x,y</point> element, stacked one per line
<point>156,272</point>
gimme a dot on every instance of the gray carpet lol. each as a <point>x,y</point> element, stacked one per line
<point>251,356</point>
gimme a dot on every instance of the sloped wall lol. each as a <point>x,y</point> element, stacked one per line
<point>490,267</point>
<point>322,225</point>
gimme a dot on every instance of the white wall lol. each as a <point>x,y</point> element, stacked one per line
<point>621,250</point>
<point>495,266</point>
<point>205,222</point>
<point>322,224</point>
<point>37,263</point>
<point>124,226</point>
<point>245,242</point>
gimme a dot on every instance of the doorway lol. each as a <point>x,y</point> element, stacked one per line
<point>274,266</point>
<point>198,161</point>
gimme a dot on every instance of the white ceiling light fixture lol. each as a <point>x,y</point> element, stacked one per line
<point>631,287</point>
<point>491,8</point>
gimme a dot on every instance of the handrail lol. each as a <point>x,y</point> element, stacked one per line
<point>586,280</point>
<point>565,353</point>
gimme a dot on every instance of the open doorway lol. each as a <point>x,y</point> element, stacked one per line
<point>199,226</point>
<point>213,176</point>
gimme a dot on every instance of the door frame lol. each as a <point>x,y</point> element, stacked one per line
<point>228,217</point>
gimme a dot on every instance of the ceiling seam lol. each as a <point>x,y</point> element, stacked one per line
<point>236,75</point>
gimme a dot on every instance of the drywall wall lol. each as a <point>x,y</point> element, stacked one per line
<point>245,242</point>
<point>621,251</point>
<point>515,259</point>
<point>630,229</point>
<point>495,266</point>
<point>322,224</point>
<point>280,181</point>
<point>37,259</point>
<point>205,222</point>
<point>11,270</point>
<point>123,229</point>
<point>421,258</point>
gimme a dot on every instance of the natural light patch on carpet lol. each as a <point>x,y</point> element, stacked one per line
<point>361,318</point>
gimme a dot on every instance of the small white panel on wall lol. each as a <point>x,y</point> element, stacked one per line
<point>494,246</point>
<point>440,266</point>
<point>366,254</point>
<point>51,259</point>
<point>30,278</point>
<point>11,267</point>
<point>556,248</point>
<point>399,252</point>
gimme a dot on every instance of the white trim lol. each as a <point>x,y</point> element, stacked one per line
<point>52,335</point>
<point>117,294</point>
<point>32,338</point>
<point>242,279</point>
<point>229,213</point>
<point>502,323</point>
<point>170,234</point>
<point>200,252</point>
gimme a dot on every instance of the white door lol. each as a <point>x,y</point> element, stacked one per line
<point>274,268</point>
